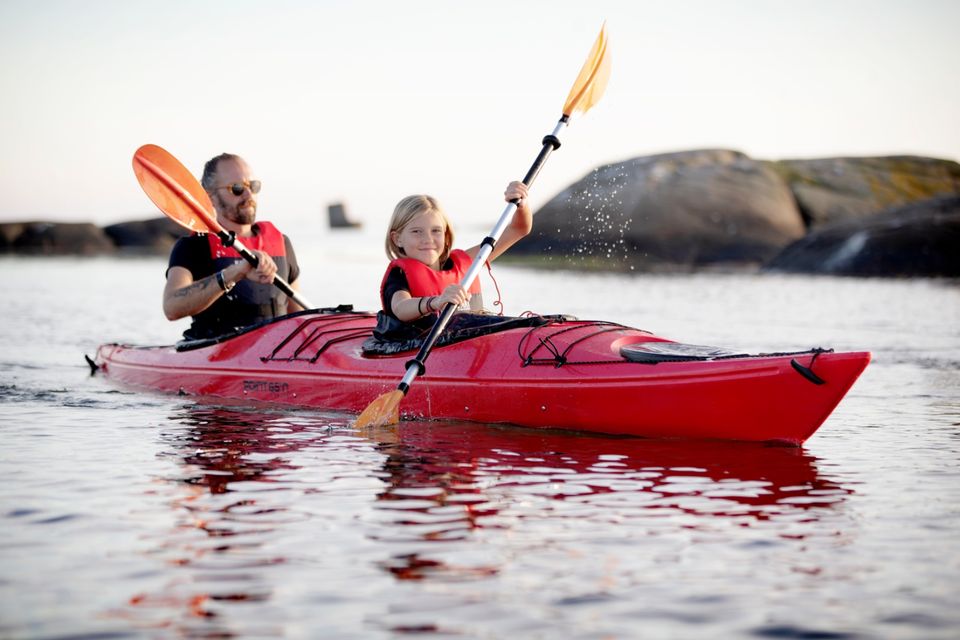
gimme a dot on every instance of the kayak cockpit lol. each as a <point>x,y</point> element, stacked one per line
<point>190,345</point>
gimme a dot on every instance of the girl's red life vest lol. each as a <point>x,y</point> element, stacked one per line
<point>268,238</point>
<point>424,281</point>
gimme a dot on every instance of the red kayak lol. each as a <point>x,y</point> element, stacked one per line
<point>551,372</point>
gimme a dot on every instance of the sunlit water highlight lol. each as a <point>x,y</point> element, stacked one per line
<point>127,514</point>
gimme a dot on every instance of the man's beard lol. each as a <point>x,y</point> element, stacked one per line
<point>238,213</point>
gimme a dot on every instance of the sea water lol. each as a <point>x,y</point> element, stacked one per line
<point>132,514</point>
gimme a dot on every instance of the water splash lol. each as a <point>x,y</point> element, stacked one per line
<point>601,223</point>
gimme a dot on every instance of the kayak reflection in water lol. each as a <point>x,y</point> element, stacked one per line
<point>448,481</point>
<point>261,497</point>
<point>425,270</point>
<point>210,281</point>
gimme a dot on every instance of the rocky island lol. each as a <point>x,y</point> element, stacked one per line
<point>718,208</point>
<point>703,209</point>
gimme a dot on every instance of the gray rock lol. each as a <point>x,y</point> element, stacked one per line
<point>832,189</point>
<point>919,239</point>
<point>58,238</point>
<point>9,232</point>
<point>154,236</point>
<point>337,215</point>
<point>683,209</point>
<point>145,236</point>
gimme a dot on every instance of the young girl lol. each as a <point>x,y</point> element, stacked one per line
<point>425,271</point>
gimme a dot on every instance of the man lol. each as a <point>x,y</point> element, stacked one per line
<point>211,282</point>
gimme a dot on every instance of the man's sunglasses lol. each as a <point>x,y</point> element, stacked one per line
<point>237,187</point>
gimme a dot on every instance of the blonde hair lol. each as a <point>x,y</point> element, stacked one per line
<point>408,209</point>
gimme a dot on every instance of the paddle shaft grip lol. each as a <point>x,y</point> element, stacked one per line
<point>229,239</point>
<point>550,143</point>
<point>417,366</point>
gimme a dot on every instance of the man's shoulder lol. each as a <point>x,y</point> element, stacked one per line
<point>190,244</point>
<point>193,236</point>
<point>193,239</point>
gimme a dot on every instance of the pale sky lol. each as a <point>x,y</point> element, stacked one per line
<point>367,102</point>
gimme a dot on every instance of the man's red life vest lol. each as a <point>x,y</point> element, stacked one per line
<point>268,238</point>
<point>424,281</point>
<point>248,302</point>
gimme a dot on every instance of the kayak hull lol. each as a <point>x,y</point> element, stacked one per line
<point>568,375</point>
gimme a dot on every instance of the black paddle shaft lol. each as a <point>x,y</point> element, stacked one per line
<point>550,142</point>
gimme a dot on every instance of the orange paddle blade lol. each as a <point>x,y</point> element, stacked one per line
<point>592,81</point>
<point>173,189</point>
<point>382,412</point>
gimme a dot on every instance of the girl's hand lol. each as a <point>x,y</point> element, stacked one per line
<point>455,294</point>
<point>515,190</point>
<point>520,226</point>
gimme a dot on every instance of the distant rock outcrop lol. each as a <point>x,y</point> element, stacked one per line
<point>919,239</point>
<point>337,214</point>
<point>833,189</point>
<point>147,236</point>
<point>683,209</point>
<point>155,236</point>
<point>48,238</point>
<point>879,216</point>
<point>10,231</point>
<point>885,216</point>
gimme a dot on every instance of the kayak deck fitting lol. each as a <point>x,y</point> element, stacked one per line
<point>533,371</point>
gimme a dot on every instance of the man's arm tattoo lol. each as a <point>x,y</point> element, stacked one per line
<point>199,285</point>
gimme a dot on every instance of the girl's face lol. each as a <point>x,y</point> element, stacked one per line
<point>423,238</point>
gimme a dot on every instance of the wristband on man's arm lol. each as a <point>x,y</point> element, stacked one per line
<point>223,283</point>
